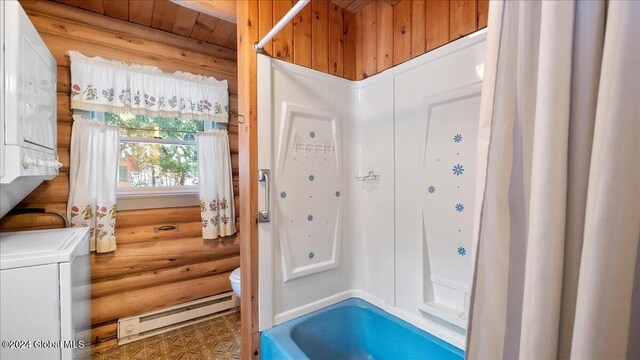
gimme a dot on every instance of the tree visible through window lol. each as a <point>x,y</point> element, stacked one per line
<point>157,152</point>
<point>123,173</point>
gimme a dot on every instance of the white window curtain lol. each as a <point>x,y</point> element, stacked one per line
<point>104,85</point>
<point>216,185</point>
<point>559,213</point>
<point>92,181</point>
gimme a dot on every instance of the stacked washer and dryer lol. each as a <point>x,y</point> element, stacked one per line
<point>45,294</point>
<point>45,288</point>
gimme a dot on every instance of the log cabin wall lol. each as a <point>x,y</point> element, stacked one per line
<point>149,270</point>
<point>388,35</point>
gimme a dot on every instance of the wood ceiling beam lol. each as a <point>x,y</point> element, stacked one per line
<point>145,32</point>
<point>222,9</point>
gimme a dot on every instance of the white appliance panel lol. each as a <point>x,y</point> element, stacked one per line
<point>75,303</point>
<point>34,290</point>
<point>28,248</point>
<point>30,88</point>
<point>2,91</point>
<point>28,129</point>
<point>36,106</point>
<point>45,294</point>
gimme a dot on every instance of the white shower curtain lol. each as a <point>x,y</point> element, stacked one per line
<point>559,210</point>
<point>216,185</point>
<point>92,181</point>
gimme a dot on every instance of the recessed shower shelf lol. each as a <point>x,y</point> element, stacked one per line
<point>314,148</point>
<point>446,313</point>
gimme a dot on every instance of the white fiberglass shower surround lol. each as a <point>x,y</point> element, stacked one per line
<point>371,188</point>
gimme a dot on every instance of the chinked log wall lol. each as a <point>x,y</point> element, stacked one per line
<point>328,38</point>
<point>149,270</point>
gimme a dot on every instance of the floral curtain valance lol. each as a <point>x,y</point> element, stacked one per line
<point>113,86</point>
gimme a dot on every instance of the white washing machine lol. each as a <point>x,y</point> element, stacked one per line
<point>45,294</point>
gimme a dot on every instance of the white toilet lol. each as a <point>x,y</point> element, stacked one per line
<point>235,281</point>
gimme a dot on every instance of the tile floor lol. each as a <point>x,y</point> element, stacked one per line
<point>215,339</point>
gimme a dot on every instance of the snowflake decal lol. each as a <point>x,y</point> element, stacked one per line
<point>309,217</point>
<point>312,134</point>
<point>459,207</point>
<point>431,189</point>
<point>457,138</point>
<point>462,251</point>
<point>311,177</point>
<point>458,170</point>
<point>283,194</point>
<point>312,255</point>
<point>337,193</point>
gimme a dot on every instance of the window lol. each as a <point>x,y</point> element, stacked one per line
<point>158,163</point>
<point>123,174</point>
<point>159,152</point>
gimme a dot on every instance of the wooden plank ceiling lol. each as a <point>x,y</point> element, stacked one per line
<point>164,15</point>
<point>352,5</point>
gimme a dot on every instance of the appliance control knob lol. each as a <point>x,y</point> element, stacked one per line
<point>39,163</point>
<point>28,161</point>
<point>54,164</point>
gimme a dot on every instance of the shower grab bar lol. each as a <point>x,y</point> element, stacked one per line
<point>264,176</point>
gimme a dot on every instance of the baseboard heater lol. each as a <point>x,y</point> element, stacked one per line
<point>157,322</point>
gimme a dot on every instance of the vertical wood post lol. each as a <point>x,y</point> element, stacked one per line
<point>248,165</point>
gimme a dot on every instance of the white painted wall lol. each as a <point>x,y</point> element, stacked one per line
<point>387,250</point>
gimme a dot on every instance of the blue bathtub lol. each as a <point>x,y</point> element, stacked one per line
<point>352,329</point>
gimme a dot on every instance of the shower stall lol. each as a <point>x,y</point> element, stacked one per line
<point>367,188</point>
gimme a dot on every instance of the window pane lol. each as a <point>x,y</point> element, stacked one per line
<point>123,173</point>
<point>154,165</point>
<point>154,127</point>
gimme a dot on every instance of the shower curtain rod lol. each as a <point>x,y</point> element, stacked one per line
<point>285,19</point>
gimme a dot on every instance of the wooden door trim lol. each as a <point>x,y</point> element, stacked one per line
<point>247,12</point>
